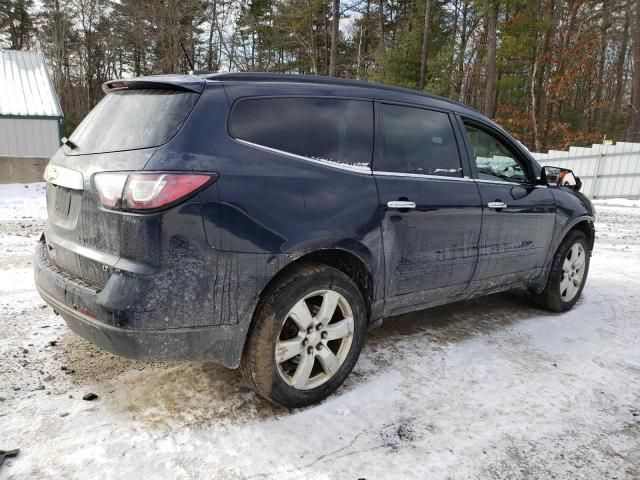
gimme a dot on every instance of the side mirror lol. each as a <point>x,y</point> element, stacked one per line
<point>560,177</point>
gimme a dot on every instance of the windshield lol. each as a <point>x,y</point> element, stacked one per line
<point>132,119</point>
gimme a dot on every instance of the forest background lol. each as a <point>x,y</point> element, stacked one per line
<point>554,73</point>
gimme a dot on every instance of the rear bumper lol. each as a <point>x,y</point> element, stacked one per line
<point>207,343</point>
<point>84,311</point>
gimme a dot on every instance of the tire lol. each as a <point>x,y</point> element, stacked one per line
<point>303,297</point>
<point>561,292</point>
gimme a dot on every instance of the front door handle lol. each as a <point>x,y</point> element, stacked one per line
<point>497,205</point>
<point>401,204</point>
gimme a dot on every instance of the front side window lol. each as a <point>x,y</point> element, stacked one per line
<point>494,160</point>
<point>331,129</point>
<point>419,141</point>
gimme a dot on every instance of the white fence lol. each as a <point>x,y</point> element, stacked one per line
<point>606,171</point>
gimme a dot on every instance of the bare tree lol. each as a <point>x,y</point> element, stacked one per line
<point>622,56</point>
<point>634,124</point>
<point>335,32</point>
<point>425,44</point>
<point>492,45</point>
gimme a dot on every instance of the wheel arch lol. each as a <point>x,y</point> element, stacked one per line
<point>296,279</point>
<point>343,260</point>
<point>582,224</point>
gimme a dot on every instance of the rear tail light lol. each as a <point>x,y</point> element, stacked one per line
<point>144,192</point>
<point>110,187</point>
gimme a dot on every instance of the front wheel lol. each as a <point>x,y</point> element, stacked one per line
<point>306,336</point>
<point>568,273</point>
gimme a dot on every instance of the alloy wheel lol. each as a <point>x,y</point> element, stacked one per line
<point>572,272</point>
<point>314,340</point>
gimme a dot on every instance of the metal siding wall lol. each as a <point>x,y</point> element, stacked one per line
<point>606,171</point>
<point>26,87</point>
<point>24,137</point>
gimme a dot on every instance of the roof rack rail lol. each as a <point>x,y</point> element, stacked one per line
<point>287,77</point>
<point>319,79</point>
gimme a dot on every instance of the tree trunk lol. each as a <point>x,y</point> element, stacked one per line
<point>633,133</point>
<point>622,55</point>
<point>425,40</point>
<point>536,82</point>
<point>312,47</point>
<point>463,50</point>
<point>335,32</point>
<point>214,16</point>
<point>492,44</point>
<point>534,119</point>
<point>548,51</point>
<point>327,42</point>
<point>454,35</point>
<point>381,22</point>
<point>359,58</point>
<point>367,36</point>
<point>596,110</point>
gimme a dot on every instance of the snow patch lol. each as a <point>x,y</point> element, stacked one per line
<point>617,202</point>
<point>22,201</point>
<point>489,388</point>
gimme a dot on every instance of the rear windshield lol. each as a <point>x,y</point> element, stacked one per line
<point>131,119</point>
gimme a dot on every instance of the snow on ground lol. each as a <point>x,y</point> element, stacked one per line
<point>617,202</point>
<point>493,388</point>
<point>22,201</point>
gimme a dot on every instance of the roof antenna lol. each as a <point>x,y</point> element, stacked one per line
<point>186,55</point>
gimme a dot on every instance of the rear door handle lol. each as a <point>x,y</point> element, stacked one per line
<point>497,205</point>
<point>401,204</point>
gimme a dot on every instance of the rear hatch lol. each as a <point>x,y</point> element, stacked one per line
<point>121,133</point>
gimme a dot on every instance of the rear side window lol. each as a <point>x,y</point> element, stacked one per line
<point>415,140</point>
<point>132,119</point>
<point>330,129</point>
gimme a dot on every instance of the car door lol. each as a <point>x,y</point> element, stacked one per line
<point>430,211</point>
<point>518,214</point>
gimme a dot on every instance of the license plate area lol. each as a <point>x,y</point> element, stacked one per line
<point>62,201</point>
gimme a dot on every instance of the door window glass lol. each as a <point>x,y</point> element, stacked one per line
<point>415,140</point>
<point>493,159</point>
<point>330,129</point>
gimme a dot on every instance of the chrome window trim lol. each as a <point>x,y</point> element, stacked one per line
<point>420,175</point>
<point>326,163</point>
<point>367,170</point>
<point>443,177</point>
<point>64,177</point>
<point>500,182</point>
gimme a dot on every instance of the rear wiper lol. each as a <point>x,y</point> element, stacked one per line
<point>68,143</point>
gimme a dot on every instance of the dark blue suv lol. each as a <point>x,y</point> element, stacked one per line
<point>266,221</point>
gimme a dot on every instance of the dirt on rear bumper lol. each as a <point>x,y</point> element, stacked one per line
<point>82,308</point>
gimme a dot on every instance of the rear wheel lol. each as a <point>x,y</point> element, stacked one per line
<point>568,273</point>
<point>306,337</point>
